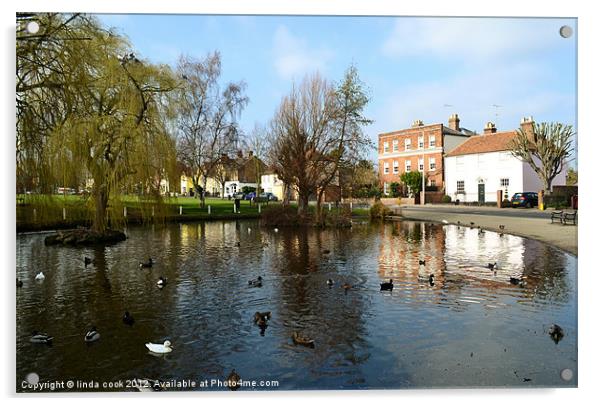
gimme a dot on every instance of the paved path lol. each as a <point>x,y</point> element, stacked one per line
<point>530,223</point>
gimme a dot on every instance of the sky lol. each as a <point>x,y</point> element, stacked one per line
<point>414,67</point>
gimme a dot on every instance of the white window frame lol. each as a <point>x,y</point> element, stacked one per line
<point>432,182</point>
<point>506,183</point>
<point>385,191</point>
<point>386,146</point>
<point>421,165</point>
<point>395,167</point>
<point>386,168</point>
<point>432,164</point>
<point>408,144</point>
<point>408,166</point>
<point>395,145</point>
<point>421,142</point>
<point>432,141</point>
<point>460,190</point>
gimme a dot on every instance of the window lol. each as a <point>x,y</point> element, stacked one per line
<point>460,186</point>
<point>420,142</point>
<point>385,188</point>
<point>504,182</point>
<point>395,167</point>
<point>385,146</point>
<point>395,145</point>
<point>386,168</point>
<point>431,141</point>
<point>432,164</point>
<point>432,183</point>
<point>421,165</point>
<point>408,144</point>
<point>408,166</point>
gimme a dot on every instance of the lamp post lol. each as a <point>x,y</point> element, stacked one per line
<point>423,194</point>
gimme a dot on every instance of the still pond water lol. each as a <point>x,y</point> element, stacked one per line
<point>471,328</point>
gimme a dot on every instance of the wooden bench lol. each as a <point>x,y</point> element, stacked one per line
<point>569,217</point>
<point>558,215</point>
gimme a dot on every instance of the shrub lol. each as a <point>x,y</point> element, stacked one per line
<point>379,211</point>
<point>446,199</point>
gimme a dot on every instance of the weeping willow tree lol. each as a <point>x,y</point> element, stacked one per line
<point>103,111</point>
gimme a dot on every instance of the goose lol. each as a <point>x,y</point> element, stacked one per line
<point>298,339</point>
<point>256,282</point>
<point>161,282</point>
<point>556,333</point>
<point>492,266</point>
<point>421,262</point>
<point>92,335</point>
<point>87,261</point>
<point>128,319</point>
<point>233,380</point>
<point>330,282</point>
<point>387,285</point>
<point>160,348</point>
<point>40,338</point>
<point>148,264</point>
<point>19,283</point>
<point>40,276</point>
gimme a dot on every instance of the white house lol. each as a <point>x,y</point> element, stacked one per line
<point>483,164</point>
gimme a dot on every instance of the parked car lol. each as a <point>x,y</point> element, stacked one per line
<point>249,196</point>
<point>525,199</point>
<point>268,196</point>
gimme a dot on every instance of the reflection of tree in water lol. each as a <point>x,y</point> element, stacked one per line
<point>546,273</point>
<point>334,320</point>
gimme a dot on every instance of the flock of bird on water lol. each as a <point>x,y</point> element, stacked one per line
<point>260,318</point>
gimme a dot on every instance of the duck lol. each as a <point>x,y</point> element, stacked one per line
<point>233,380</point>
<point>159,348</point>
<point>87,261</point>
<point>256,282</point>
<point>261,318</point>
<point>325,252</point>
<point>161,282</point>
<point>346,286</point>
<point>275,229</point>
<point>387,285</point>
<point>501,226</point>
<point>445,221</point>
<point>492,266</point>
<point>40,276</point>
<point>556,333</point>
<point>472,223</point>
<point>481,231</point>
<point>330,283</point>
<point>128,318</point>
<point>19,283</point>
<point>237,243</point>
<point>92,335</point>
<point>249,230</point>
<point>516,281</point>
<point>421,262</point>
<point>430,280</point>
<point>298,339</point>
<point>148,264</point>
<point>40,338</point>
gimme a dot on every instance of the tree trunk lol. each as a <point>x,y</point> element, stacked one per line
<point>101,197</point>
<point>303,202</point>
<point>204,191</point>
<point>319,205</point>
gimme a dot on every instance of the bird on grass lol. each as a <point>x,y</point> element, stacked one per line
<point>92,335</point>
<point>128,318</point>
<point>148,264</point>
<point>387,285</point>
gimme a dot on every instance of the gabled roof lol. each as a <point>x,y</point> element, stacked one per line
<point>478,144</point>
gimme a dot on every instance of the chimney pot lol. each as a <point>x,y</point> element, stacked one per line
<point>490,128</point>
<point>417,123</point>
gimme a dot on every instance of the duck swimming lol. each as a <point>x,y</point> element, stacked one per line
<point>233,380</point>
<point>256,282</point>
<point>276,229</point>
<point>556,333</point>
<point>517,281</point>
<point>19,283</point>
<point>40,338</point>
<point>325,252</point>
<point>87,261</point>
<point>492,266</point>
<point>161,282</point>
<point>298,339</point>
<point>261,318</point>
<point>148,264</point>
<point>330,282</point>
<point>92,335</point>
<point>128,319</point>
<point>430,280</point>
<point>421,262</point>
<point>387,285</point>
<point>40,276</point>
<point>160,348</point>
<point>346,286</point>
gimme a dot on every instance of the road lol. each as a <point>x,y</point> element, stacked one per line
<point>482,211</point>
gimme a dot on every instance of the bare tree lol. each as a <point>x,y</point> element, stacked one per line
<point>545,148</point>
<point>258,142</point>
<point>208,115</point>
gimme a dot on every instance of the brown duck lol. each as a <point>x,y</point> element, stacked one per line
<point>298,339</point>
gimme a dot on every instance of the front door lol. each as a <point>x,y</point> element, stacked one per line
<point>481,193</point>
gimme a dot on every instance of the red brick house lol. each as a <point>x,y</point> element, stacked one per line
<point>418,147</point>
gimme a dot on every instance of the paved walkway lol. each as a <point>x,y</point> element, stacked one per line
<point>530,223</point>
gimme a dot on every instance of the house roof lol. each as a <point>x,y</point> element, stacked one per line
<point>479,144</point>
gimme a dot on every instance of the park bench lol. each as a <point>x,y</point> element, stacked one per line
<point>566,217</point>
<point>558,215</point>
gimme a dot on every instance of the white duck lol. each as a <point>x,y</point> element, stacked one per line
<point>159,348</point>
<point>40,276</point>
<point>276,229</point>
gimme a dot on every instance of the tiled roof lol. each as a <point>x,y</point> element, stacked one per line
<point>478,144</point>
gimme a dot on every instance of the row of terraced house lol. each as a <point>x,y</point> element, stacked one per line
<point>455,161</point>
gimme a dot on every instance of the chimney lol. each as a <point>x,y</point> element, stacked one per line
<point>527,125</point>
<point>454,122</point>
<point>489,128</point>
<point>417,123</point>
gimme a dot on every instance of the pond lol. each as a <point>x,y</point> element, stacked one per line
<point>471,327</point>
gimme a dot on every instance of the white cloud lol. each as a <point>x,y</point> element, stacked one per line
<point>475,39</point>
<point>293,58</point>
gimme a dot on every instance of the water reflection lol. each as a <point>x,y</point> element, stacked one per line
<point>470,327</point>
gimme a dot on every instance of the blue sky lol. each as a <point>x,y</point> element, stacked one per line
<point>415,67</point>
